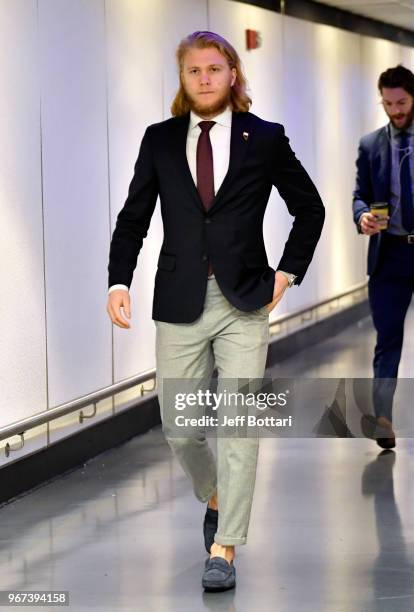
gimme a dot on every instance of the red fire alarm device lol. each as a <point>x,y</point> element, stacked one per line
<point>253,39</point>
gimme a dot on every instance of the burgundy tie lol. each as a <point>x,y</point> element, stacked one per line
<point>205,170</point>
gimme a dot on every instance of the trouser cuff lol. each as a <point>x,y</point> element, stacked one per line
<point>229,541</point>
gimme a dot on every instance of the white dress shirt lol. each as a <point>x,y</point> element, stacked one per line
<point>220,143</point>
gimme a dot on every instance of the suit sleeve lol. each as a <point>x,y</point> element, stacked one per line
<point>363,192</point>
<point>134,219</point>
<point>303,203</point>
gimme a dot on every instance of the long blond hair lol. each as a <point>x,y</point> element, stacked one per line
<point>239,100</point>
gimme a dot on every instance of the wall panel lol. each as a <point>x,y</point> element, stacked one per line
<point>297,90</point>
<point>337,130</point>
<point>75,183</point>
<point>22,307</point>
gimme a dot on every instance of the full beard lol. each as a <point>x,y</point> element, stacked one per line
<point>211,109</point>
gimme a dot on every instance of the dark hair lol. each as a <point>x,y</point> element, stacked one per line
<point>397,77</point>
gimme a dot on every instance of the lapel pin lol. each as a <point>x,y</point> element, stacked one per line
<point>245,135</point>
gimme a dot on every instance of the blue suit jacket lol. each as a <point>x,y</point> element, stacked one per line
<point>373,183</point>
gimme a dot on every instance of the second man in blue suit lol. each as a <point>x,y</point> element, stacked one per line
<point>385,167</point>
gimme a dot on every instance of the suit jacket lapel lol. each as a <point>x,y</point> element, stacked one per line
<point>178,145</point>
<point>382,166</point>
<point>239,144</point>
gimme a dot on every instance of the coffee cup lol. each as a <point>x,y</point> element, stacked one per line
<point>380,211</point>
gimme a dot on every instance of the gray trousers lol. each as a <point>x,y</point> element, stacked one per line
<point>236,342</point>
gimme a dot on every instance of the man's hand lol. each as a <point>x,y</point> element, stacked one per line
<point>117,299</point>
<point>281,284</point>
<point>369,224</point>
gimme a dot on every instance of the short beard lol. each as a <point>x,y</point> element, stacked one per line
<point>212,109</point>
<point>408,122</point>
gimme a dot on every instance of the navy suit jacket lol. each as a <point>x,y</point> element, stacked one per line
<point>373,183</point>
<point>230,233</point>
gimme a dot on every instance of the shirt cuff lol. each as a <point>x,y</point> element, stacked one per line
<point>113,287</point>
<point>358,222</point>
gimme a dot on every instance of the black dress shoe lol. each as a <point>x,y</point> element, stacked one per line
<point>219,575</point>
<point>210,527</point>
<point>378,429</point>
<point>386,442</point>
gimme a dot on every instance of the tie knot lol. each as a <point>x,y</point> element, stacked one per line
<point>206,126</point>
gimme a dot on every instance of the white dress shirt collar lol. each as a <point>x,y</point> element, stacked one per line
<point>223,118</point>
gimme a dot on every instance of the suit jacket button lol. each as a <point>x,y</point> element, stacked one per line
<point>208,220</point>
<point>204,257</point>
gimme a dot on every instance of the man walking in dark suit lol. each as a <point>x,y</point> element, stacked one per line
<point>213,165</point>
<point>385,167</point>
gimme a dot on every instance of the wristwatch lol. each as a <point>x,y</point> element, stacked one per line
<point>291,277</point>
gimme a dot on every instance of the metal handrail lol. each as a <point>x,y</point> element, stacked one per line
<point>40,418</point>
<point>19,427</point>
<point>301,311</point>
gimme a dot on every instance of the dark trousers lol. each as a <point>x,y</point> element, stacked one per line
<point>390,291</point>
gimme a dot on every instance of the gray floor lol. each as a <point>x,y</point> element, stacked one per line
<point>332,526</point>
